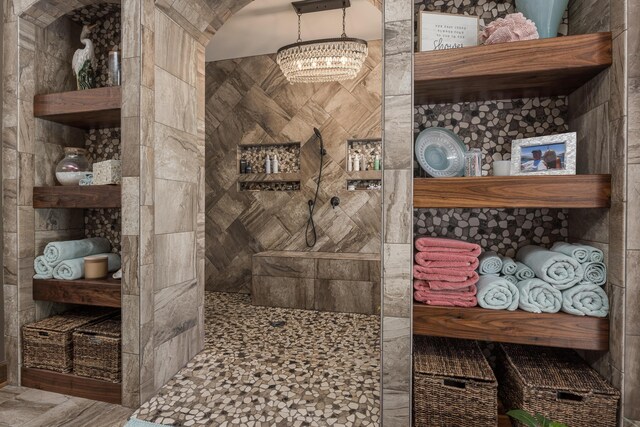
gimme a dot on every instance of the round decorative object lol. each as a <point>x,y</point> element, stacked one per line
<point>73,167</point>
<point>440,152</point>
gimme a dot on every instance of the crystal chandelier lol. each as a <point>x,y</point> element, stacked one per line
<point>324,60</point>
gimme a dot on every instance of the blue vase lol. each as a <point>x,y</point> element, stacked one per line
<point>547,14</point>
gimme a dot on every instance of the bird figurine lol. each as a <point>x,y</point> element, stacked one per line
<point>84,61</point>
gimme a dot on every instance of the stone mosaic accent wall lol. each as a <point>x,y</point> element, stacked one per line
<point>249,101</point>
<point>288,157</point>
<point>270,186</point>
<point>369,149</point>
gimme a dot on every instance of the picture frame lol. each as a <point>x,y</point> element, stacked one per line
<point>441,31</point>
<point>544,155</point>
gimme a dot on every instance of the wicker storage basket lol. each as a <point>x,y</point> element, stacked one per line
<point>48,343</point>
<point>96,350</point>
<point>556,383</point>
<point>453,384</point>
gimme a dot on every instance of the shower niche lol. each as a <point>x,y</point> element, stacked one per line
<point>364,164</point>
<point>280,173</point>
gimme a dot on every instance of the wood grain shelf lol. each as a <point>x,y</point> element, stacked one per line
<point>104,293</point>
<point>519,327</point>
<point>269,177</point>
<point>87,109</point>
<point>73,385</point>
<point>561,191</point>
<point>80,197</point>
<point>533,68</point>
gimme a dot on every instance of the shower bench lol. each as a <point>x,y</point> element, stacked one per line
<point>324,281</point>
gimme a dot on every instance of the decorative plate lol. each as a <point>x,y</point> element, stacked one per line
<point>440,152</point>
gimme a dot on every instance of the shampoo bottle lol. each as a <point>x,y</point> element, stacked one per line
<point>276,165</point>
<point>350,163</point>
<point>356,163</point>
<point>267,165</point>
<point>376,163</point>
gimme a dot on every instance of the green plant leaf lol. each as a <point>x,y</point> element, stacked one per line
<point>524,417</point>
<point>555,424</point>
<point>542,420</point>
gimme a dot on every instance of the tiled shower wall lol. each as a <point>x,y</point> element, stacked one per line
<point>249,101</point>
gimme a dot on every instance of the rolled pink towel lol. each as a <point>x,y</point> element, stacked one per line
<point>438,244</point>
<point>446,260</point>
<point>446,298</point>
<point>441,285</point>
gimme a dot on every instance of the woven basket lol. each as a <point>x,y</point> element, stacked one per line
<point>453,384</point>
<point>96,351</point>
<point>557,384</point>
<point>48,343</point>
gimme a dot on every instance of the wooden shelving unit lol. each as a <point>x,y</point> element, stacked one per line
<point>77,197</point>
<point>104,293</point>
<point>561,191</point>
<point>533,68</point>
<point>87,109</point>
<point>519,327</point>
<point>73,385</point>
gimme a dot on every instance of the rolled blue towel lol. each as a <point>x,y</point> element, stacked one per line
<point>508,266</point>
<point>580,253</point>
<point>555,268</point>
<point>56,252</point>
<point>512,279</point>
<point>496,293</point>
<point>537,296</point>
<point>585,300</point>
<point>596,255</point>
<point>594,272</point>
<point>523,272</point>
<point>42,268</point>
<point>73,269</point>
<point>490,263</point>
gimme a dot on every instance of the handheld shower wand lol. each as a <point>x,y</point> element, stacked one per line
<point>312,203</point>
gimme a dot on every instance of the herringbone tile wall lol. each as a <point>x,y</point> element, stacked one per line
<point>248,101</point>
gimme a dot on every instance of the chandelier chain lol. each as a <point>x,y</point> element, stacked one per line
<point>344,22</point>
<point>299,27</point>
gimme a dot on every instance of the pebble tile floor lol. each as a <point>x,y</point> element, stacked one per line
<point>317,369</point>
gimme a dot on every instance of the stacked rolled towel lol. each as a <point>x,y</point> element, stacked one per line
<point>509,267</point>
<point>581,253</point>
<point>43,269</point>
<point>57,252</point>
<point>73,269</point>
<point>537,296</point>
<point>555,268</point>
<point>595,273</point>
<point>585,300</point>
<point>523,272</point>
<point>497,293</point>
<point>490,263</point>
<point>444,272</point>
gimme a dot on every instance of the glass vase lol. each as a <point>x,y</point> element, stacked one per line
<point>73,167</point>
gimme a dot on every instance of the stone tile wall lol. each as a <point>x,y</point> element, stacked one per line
<point>249,102</point>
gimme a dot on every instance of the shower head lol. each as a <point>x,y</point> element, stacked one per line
<point>319,136</point>
<point>317,132</point>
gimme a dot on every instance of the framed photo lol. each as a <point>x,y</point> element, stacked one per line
<point>440,31</point>
<point>544,155</point>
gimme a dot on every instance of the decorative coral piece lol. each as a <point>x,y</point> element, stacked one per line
<point>512,28</point>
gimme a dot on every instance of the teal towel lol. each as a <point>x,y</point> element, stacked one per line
<point>580,253</point>
<point>134,422</point>
<point>496,293</point>
<point>490,263</point>
<point>73,269</point>
<point>42,268</point>
<point>523,272</point>
<point>512,279</point>
<point>596,255</point>
<point>555,268</point>
<point>508,266</point>
<point>537,296</point>
<point>56,252</point>
<point>594,272</point>
<point>585,300</point>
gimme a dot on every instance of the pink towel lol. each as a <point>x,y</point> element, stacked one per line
<point>446,260</point>
<point>438,244</point>
<point>442,274</point>
<point>421,285</point>
<point>447,299</point>
<point>440,285</point>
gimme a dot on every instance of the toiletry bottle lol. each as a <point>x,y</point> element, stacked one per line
<point>249,169</point>
<point>376,163</point>
<point>350,163</point>
<point>356,163</point>
<point>276,165</point>
<point>267,165</point>
<point>243,166</point>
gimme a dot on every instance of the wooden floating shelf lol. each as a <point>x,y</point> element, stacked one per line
<point>73,385</point>
<point>533,68</point>
<point>519,327</point>
<point>80,197</point>
<point>560,191</point>
<point>104,293</point>
<point>269,177</point>
<point>87,109</point>
<point>365,175</point>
